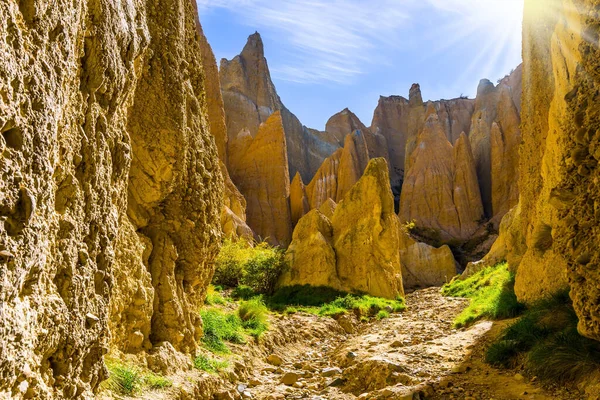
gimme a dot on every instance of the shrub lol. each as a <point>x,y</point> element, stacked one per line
<point>220,327</point>
<point>213,297</point>
<point>229,264</point>
<point>491,292</point>
<point>254,316</point>
<point>303,295</point>
<point>257,267</point>
<point>204,363</point>
<point>263,268</point>
<point>244,292</point>
<point>383,314</point>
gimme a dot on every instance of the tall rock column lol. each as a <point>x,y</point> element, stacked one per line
<point>560,192</point>
<point>263,176</point>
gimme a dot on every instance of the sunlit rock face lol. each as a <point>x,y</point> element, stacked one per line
<point>357,249</point>
<point>111,189</point>
<point>424,265</point>
<point>560,191</point>
<point>495,137</point>
<point>399,120</point>
<point>440,190</point>
<point>250,98</point>
<point>261,168</point>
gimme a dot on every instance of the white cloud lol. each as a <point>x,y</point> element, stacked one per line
<point>337,40</point>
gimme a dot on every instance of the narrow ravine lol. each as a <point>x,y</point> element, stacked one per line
<point>413,355</point>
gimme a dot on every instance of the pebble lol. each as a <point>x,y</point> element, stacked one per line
<point>275,360</point>
<point>289,378</point>
<point>329,372</point>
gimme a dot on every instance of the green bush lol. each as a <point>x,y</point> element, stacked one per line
<point>220,327</point>
<point>263,269</point>
<point>303,295</point>
<point>491,292</point>
<point>254,316</point>
<point>258,267</point>
<point>207,364</point>
<point>229,264</point>
<point>546,340</point>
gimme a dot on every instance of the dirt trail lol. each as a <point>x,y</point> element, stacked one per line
<point>413,355</point>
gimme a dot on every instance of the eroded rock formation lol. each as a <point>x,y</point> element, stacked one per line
<point>559,157</point>
<point>111,189</point>
<point>424,265</point>
<point>261,169</point>
<point>250,98</point>
<point>357,249</point>
<point>440,191</point>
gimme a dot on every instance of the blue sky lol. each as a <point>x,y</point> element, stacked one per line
<point>326,55</point>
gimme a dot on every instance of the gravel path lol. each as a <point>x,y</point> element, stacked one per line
<point>413,355</point>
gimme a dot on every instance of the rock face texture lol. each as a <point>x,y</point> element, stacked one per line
<point>261,169</point>
<point>111,189</point>
<point>495,137</point>
<point>299,205</point>
<point>346,122</point>
<point>250,98</point>
<point>559,156</point>
<point>357,249</point>
<point>424,265</point>
<point>440,190</point>
<point>399,121</point>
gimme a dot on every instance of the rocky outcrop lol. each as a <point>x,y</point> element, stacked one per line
<point>440,191</point>
<point>495,137</point>
<point>328,208</point>
<point>111,189</point>
<point>424,265</point>
<point>346,122</point>
<point>250,98</point>
<point>233,213</point>
<point>299,205</point>
<point>559,188</point>
<point>399,120</point>
<point>355,251</point>
<point>339,172</point>
<point>509,246</point>
<point>261,169</point>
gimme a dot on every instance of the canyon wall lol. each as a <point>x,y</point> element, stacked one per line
<point>111,189</point>
<point>560,193</point>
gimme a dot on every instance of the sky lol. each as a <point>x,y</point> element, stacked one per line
<point>326,55</point>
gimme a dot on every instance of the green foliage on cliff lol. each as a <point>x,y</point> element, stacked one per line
<point>491,292</point>
<point>546,340</point>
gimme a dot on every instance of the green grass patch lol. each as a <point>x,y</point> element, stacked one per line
<point>124,379</point>
<point>214,296</point>
<point>221,327</point>
<point>155,381</point>
<point>254,315</point>
<point>545,340</point>
<point>129,380</point>
<point>491,292</point>
<point>327,302</point>
<point>210,365</point>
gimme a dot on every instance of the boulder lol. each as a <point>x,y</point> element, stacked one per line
<point>424,265</point>
<point>328,208</point>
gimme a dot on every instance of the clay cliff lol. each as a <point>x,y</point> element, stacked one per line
<point>399,121</point>
<point>440,191</point>
<point>357,249</point>
<point>558,221</point>
<point>111,189</point>
<point>250,98</point>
